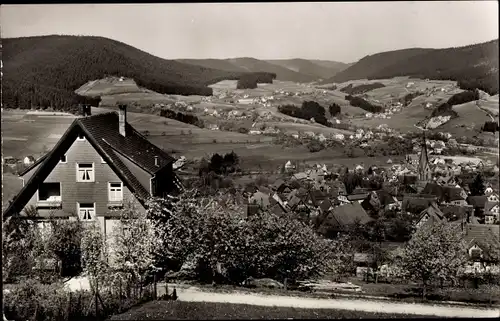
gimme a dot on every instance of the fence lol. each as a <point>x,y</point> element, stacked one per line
<point>40,302</point>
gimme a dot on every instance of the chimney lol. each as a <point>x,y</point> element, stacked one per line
<point>85,110</point>
<point>156,161</point>
<point>122,119</point>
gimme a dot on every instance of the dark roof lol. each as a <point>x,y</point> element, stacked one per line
<point>325,205</point>
<point>477,201</point>
<point>452,193</point>
<point>277,209</point>
<point>102,133</point>
<point>434,213</point>
<point>489,205</point>
<point>385,198</point>
<point>252,209</point>
<point>433,189</point>
<point>350,213</point>
<point>416,204</point>
<point>277,184</point>
<point>317,196</point>
<point>455,212</point>
<point>484,235</point>
<point>357,197</point>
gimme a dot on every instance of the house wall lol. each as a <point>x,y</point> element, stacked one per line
<point>73,192</point>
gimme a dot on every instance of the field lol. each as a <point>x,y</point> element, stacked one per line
<point>178,310</point>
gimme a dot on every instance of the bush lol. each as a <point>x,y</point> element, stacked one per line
<point>363,104</point>
<point>314,146</point>
<point>308,110</point>
<point>463,97</point>
<point>185,118</point>
<point>490,126</point>
<point>334,109</point>
<point>444,110</point>
<point>361,89</point>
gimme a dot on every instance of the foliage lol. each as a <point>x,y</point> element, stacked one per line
<point>211,240</point>
<point>19,238</point>
<point>308,110</point>
<point>64,242</point>
<point>407,99</point>
<point>246,83</point>
<point>361,89</point>
<point>334,109</point>
<point>221,165</point>
<point>34,301</point>
<point>49,76</point>
<point>315,146</point>
<point>436,251</point>
<point>490,126</point>
<point>363,104</point>
<point>94,254</point>
<point>185,118</point>
<point>477,187</point>
<point>463,97</point>
<point>133,243</point>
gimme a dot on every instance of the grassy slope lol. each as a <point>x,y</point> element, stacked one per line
<point>177,310</point>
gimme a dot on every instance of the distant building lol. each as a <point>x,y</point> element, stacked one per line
<point>28,160</point>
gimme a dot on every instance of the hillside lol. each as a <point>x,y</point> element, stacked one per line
<point>252,65</point>
<point>318,69</point>
<point>474,66</point>
<point>44,71</point>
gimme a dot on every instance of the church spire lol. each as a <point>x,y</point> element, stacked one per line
<point>423,164</point>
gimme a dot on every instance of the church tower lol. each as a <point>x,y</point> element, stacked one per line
<point>424,170</point>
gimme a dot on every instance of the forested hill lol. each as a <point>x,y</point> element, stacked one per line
<point>474,66</point>
<point>253,65</point>
<point>44,71</point>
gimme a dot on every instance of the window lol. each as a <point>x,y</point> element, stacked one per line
<point>81,137</point>
<point>49,193</point>
<point>103,161</point>
<point>115,192</point>
<point>86,211</point>
<point>63,159</point>
<point>85,172</point>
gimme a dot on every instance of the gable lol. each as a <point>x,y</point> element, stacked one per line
<point>52,159</point>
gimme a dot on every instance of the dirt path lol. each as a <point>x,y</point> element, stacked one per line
<point>193,294</point>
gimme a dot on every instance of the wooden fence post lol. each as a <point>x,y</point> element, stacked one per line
<point>155,288</point>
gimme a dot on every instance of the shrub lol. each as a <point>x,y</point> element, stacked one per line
<point>463,97</point>
<point>185,118</point>
<point>361,89</point>
<point>314,146</point>
<point>334,109</point>
<point>308,110</point>
<point>363,104</point>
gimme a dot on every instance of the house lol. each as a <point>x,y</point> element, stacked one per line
<point>339,186</point>
<point>493,197</point>
<point>341,218</point>
<point>29,160</point>
<point>260,198</point>
<point>100,163</point>
<point>300,176</point>
<point>477,201</point>
<point>416,203</point>
<point>289,166</point>
<point>455,213</point>
<point>491,212</point>
<point>358,197</point>
<point>488,190</point>
<point>482,241</point>
<point>430,215</point>
<point>377,200</point>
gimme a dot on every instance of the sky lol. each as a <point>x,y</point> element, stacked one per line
<point>336,31</point>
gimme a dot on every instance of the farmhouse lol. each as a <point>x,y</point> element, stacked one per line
<point>29,160</point>
<point>100,164</point>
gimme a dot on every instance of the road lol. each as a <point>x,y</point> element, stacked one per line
<point>193,294</point>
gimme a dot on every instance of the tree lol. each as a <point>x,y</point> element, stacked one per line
<point>133,244</point>
<point>64,242</point>
<point>436,251</point>
<point>477,186</point>
<point>334,109</point>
